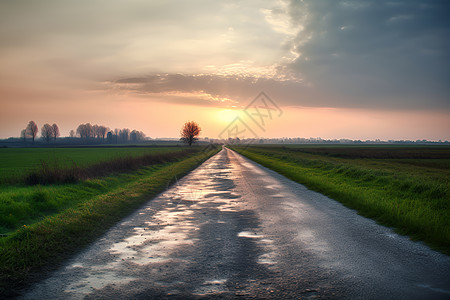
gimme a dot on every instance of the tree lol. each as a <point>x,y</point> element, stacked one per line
<point>133,136</point>
<point>32,130</point>
<point>23,134</point>
<point>189,132</point>
<point>72,133</point>
<point>55,132</point>
<point>95,131</point>
<point>85,131</point>
<point>137,136</point>
<point>47,132</point>
<point>124,134</point>
<point>102,130</point>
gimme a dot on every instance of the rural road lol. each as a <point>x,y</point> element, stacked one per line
<point>233,229</point>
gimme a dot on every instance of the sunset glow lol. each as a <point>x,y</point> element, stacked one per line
<point>363,72</point>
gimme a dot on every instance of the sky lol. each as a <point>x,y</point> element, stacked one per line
<point>361,69</point>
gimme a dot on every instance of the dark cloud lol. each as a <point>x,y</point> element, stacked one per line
<point>225,90</point>
<point>375,53</point>
<point>364,54</point>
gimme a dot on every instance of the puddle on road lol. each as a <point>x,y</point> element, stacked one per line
<point>248,234</point>
<point>212,287</point>
<point>270,253</point>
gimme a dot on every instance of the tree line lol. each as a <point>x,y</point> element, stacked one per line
<point>83,131</point>
<point>88,131</point>
<point>48,132</point>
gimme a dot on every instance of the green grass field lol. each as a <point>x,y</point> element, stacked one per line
<point>16,162</point>
<point>405,187</point>
<point>43,224</point>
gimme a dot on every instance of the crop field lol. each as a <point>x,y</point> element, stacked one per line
<point>405,187</point>
<point>17,162</point>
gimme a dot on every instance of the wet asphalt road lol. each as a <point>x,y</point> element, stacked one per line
<point>233,229</point>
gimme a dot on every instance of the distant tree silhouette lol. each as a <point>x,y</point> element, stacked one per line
<point>72,133</point>
<point>55,132</point>
<point>189,132</point>
<point>115,136</point>
<point>102,130</point>
<point>23,134</point>
<point>95,130</point>
<point>133,136</point>
<point>85,131</point>
<point>137,136</point>
<point>32,130</point>
<point>124,135</point>
<point>47,132</point>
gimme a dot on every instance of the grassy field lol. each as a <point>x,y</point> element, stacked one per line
<point>405,187</point>
<point>43,224</point>
<point>15,163</point>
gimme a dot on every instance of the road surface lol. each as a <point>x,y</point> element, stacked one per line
<point>234,229</point>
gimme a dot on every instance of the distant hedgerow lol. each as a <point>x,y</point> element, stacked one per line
<point>57,174</point>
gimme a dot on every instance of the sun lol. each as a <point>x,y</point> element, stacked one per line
<point>226,116</point>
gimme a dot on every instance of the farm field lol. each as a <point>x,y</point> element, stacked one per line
<point>405,187</point>
<point>16,162</point>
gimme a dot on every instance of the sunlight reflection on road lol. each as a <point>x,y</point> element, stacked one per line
<point>161,234</point>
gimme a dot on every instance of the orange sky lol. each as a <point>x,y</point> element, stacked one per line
<point>152,66</point>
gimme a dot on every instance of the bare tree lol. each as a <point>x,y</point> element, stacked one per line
<point>47,132</point>
<point>55,131</point>
<point>72,133</point>
<point>85,131</point>
<point>102,130</point>
<point>95,131</point>
<point>133,136</point>
<point>23,134</point>
<point>140,136</point>
<point>189,132</point>
<point>32,130</point>
<point>124,134</point>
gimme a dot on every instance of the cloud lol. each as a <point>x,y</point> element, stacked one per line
<point>390,54</point>
<point>222,90</point>
<point>362,54</point>
<point>139,37</point>
<point>365,53</point>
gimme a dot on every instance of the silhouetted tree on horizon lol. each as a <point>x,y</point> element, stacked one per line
<point>124,135</point>
<point>115,136</point>
<point>102,130</point>
<point>137,136</point>
<point>23,134</point>
<point>189,132</point>
<point>55,131</point>
<point>32,130</point>
<point>85,131</point>
<point>47,132</point>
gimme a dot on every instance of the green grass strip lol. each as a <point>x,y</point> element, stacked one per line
<point>413,206</point>
<point>48,242</point>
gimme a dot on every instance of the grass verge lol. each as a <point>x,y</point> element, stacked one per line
<point>413,200</point>
<point>46,243</point>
